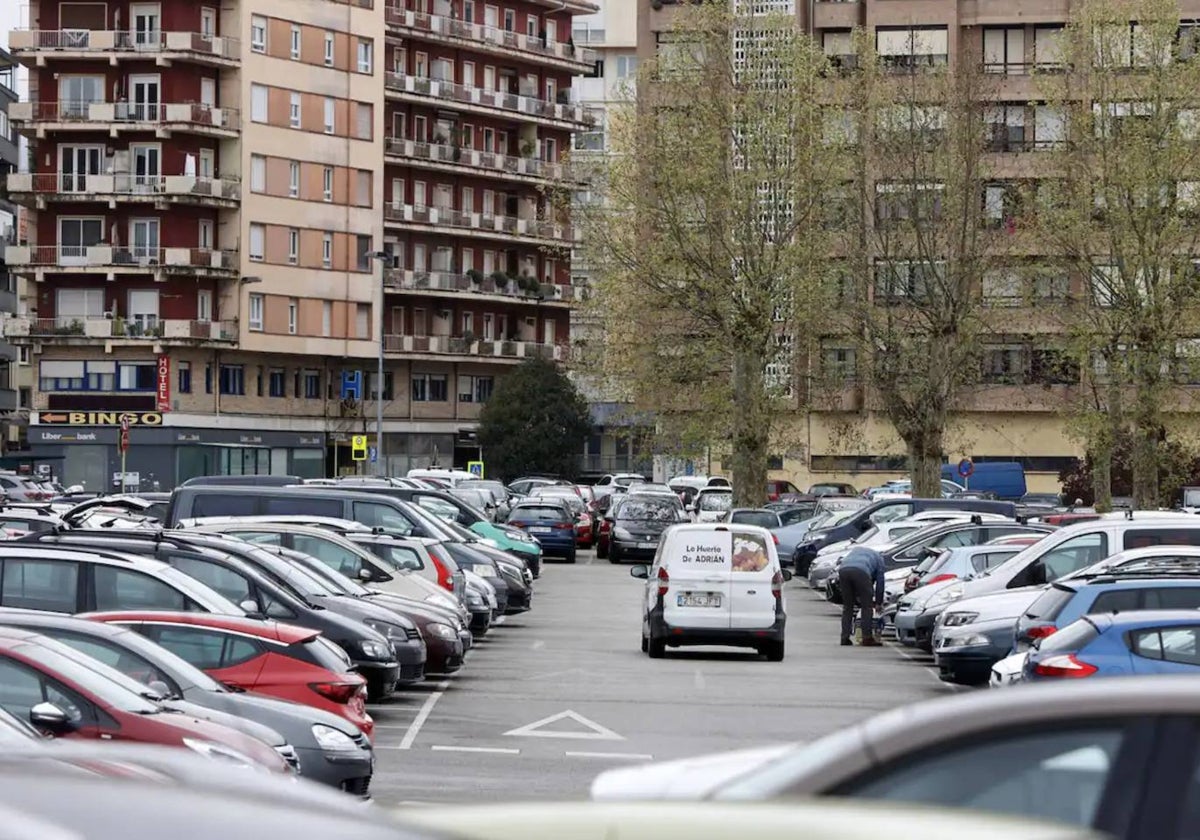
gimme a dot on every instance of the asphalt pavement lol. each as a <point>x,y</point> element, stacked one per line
<point>554,696</point>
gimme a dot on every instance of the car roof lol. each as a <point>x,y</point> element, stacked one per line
<point>77,552</point>
<point>38,618</point>
<point>288,634</point>
<point>1150,618</point>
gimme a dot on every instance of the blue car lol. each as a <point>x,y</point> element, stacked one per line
<point>1071,598</point>
<point>551,522</point>
<point>1119,645</point>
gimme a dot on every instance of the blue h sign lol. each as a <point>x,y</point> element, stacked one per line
<point>352,385</point>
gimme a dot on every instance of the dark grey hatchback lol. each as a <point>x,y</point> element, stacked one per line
<point>636,523</point>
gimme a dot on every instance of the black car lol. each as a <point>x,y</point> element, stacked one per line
<point>329,749</point>
<point>636,524</point>
<point>375,653</point>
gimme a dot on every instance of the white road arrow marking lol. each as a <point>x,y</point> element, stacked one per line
<point>595,732</point>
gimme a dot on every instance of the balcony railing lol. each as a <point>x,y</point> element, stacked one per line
<point>89,41</point>
<point>514,103</point>
<point>502,226</point>
<point>138,115</point>
<point>118,258</point>
<point>453,346</point>
<point>146,328</point>
<point>452,28</point>
<point>89,187</point>
<point>447,281</point>
<point>445,154</point>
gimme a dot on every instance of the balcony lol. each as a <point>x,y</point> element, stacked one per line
<point>511,228</point>
<point>164,47</point>
<point>159,190</point>
<point>71,330</point>
<point>445,345</point>
<point>459,33</point>
<point>443,156</point>
<point>568,115</point>
<point>114,259</point>
<point>115,117</point>
<point>401,280</point>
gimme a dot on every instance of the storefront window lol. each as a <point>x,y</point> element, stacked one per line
<point>308,463</point>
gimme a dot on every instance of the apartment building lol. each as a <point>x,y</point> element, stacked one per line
<point>12,421</point>
<point>239,205</point>
<point>1015,414</point>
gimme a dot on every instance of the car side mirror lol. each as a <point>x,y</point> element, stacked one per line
<point>160,688</point>
<point>364,574</point>
<point>51,718</point>
<point>787,575</point>
<point>249,606</point>
<point>641,572</point>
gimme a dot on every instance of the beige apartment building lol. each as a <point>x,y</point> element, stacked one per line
<point>236,205</point>
<point>1015,416</point>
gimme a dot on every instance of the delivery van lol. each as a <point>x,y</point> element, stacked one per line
<point>714,584</point>
<point>1004,478</point>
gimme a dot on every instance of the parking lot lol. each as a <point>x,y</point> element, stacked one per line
<point>554,696</point>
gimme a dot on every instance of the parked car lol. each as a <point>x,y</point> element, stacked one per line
<point>761,517</point>
<point>791,512</point>
<point>776,487</point>
<point>280,660</point>
<point>832,488</point>
<point>712,503</point>
<point>638,523</point>
<point>959,563</point>
<point>501,494</point>
<point>1047,500</point>
<point>1004,478</point>
<point>328,748</point>
<point>1143,642</point>
<point>70,695</point>
<point>1067,753</point>
<point>551,522</point>
<point>714,584</point>
<point>17,488</point>
<point>571,498</point>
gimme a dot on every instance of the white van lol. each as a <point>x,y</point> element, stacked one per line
<point>714,584</point>
<point>444,474</point>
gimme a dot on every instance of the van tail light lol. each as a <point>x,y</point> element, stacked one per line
<point>1064,666</point>
<point>664,580</point>
<point>777,586</point>
<point>940,578</point>
<point>1041,631</point>
<point>338,692</point>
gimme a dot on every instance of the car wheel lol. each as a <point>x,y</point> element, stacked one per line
<point>571,556</point>
<point>657,648</point>
<point>773,651</point>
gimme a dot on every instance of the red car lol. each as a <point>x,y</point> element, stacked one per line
<point>777,487</point>
<point>65,693</point>
<point>282,660</point>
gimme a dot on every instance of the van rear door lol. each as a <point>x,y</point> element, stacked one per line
<point>699,566</point>
<point>751,600</point>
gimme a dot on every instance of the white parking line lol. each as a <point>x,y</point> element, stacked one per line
<point>614,756</point>
<point>415,729</point>
<point>933,672</point>
<point>497,750</point>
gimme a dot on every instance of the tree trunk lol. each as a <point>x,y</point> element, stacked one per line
<point>925,464</point>
<point>1102,453</point>
<point>751,430</point>
<point>1145,462</point>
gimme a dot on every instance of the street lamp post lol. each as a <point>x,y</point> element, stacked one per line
<point>380,458</point>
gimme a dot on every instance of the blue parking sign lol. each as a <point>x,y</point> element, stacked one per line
<point>372,454</point>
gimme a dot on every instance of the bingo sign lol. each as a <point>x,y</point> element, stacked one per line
<point>710,551</point>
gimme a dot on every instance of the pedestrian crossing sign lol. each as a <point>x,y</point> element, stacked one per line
<point>358,447</point>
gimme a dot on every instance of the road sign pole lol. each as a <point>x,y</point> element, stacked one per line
<point>123,472</point>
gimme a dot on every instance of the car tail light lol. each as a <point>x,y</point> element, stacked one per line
<point>777,585</point>
<point>1064,666</point>
<point>1041,631</point>
<point>940,578</point>
<point>444,578</point>
<point>664,580</point>
<point>776,538</point>
<point>563,526</point>
<point>517,524</point>
<point>338,692</point>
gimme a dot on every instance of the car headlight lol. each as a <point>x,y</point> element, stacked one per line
<point>329,738</point>
<point>976,640</point>
<point>944,596</point>
<point>517,535</point>
<point>622,534</point>
<point>442,631</point>
<point>958,619</point>
<point>393,632</point>
<point>219,752</point>
<point>474,598</point>
<point>484,571</point>
<point>375,650</point>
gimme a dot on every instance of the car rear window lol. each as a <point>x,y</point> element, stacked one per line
<point>1071,638</point>
<point>539,513</point>
<point>716,501</point>
<point>1143,537</point>
<point>648,511</point>
<point>221,504</point>
<point>1050,603</point>
<point>751,517</point>
<point>1158,598</point>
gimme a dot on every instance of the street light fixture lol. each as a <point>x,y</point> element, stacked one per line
<point>380,458</point>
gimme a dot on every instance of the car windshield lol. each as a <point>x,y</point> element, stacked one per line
<point>646,510</point>
<point>761,518</point>
<point>109,685</point>
<point>538,513</point>
<point>867,534</point>
<point>715,501</point>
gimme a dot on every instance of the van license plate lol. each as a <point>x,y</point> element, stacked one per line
<point>647,545</point>
<point>698,599</point>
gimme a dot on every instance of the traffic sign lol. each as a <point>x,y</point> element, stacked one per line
<point>123,441</point>
<point>372,454</point>
<point>965,468</point>
<point>358,447</point>
<point>475,468</point>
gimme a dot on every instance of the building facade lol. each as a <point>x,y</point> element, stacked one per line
<point>238,207</point>
<point>12,421</point>
<point>1016,412</point>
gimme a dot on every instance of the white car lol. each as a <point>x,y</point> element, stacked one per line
<point>1008,670</point>
<point>712,503</point>
<point>714,585</point>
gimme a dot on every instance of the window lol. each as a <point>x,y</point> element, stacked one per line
<point>327,250</point>
<point>258,103</point>
<point>377,515</point>
<point>293,246</point>
<point>363,120</point>
<point>199,647</point>
<point>233,380</point>
<point>258,34</point>
<point>258,173</point>
<point>1001,205</point>
<point>49,585</point>
<point>365,56</point>
<point>899,280</point>
<point>429,387</point>
<point>1052,366</point>
<point>1049,127</point>
<point>1002,287</point>
<point>328,49</point>
<point>329,118</point>
<point>294,109</point>
<point>910,48</point>
<point>208,383</point>
<point>256,312</point>
<point>327,319</point>
<point>125,589</point>
<point>838,362</point>
<point>475,389</point>
<point>1074,554</point>
<point>224,581</point>
<point>898,202</point>
<point>293,179</point>
<point>1057,775</point>
<point>1146,537</point>
<point>293,312</point>
<point>327,183</point>
<point>1048,47</point>
<point>1005,126</point>
<point>362,320</point>
<point>295,46</point>
<point>627,66</point>
<point>184,376</point>
<point>137,376</point>
<point>258,237</point>
<point>362,188</point>
<point>1168,644</point>
<point>275,382</point>
<point>1004,51</point>
<point>312,385</point>
<point>1003,365</point>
